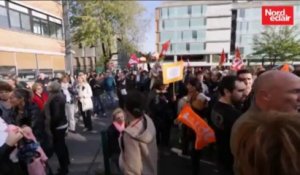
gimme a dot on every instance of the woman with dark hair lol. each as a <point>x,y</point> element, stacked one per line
<point>161,113</point>
<point>5,107</point>
<point>56,115</point>
<point>25,112</point>
<point>138,142</point>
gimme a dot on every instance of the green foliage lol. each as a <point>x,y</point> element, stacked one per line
<point>277,44</point>
<point>100,22</point>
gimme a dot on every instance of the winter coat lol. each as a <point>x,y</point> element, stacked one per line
<point>40,100</point>
<point>138,148</point>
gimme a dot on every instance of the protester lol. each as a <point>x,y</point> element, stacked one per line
<point>39,96</point>
<point>224,114</point>
<point>113,133</point>
<point>198,101</point>
<point>246,76</point>
<point>85,103</point>
<point>268,145</point>
<point>110,87</point>
<point>69,92</point>
<point>56,115</point>
<point>160,112</point>
<point>138,142</point>
<point>8,144</point>
<point>273,91</point>
<point>121,89</point>
<point>5,106</point>
<point>43,80</point>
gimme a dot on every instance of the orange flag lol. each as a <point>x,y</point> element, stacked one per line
<point>204,134</point>
<point>285,68</point>
<point>222,58</point>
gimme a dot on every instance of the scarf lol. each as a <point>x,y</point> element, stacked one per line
<point>119,127</point>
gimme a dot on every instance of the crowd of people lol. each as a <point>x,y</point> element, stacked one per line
<point>254,116</point>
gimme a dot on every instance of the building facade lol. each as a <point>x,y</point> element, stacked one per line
<point>249,23</point>
<point>31,37</point>
<point>198,30</point>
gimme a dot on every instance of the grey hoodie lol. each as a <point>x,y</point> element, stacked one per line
<point>139,149</point>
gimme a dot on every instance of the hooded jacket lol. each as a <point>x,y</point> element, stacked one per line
<point>138,148</point>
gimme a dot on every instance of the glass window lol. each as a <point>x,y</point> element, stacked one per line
<point>200,35</point>
<point>44,27</point>
<point>189,10</point>
<point>14,18</point>
<point>195,47</point>
<point>181,47</point>
<point>182,11</point>
<point>59,31</point>
<point>37,26</point>
<point>197,10</point>
<point>194,34</point>
<point>172,12</point>
<point>242,13</point>
<point>187,35</point>
<point>25,22</point>
<point>164,12</point>
<point>52,27</point>
<point>56,31</point>
<point>183,23</point>
<point>197,22</point>
<point>3,17</point>
<point>203,9</point>
<point>188,46</point>
<point>169,24</point>
<point>177,36</point>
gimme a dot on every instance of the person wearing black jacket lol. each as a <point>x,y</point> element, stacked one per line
<point>6,165</point>
<point>113,133</point>
<point>25,112</point>
<point>56,115</point>
<point>97,86</point>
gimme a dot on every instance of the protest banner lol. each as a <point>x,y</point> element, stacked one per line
<point>172,72</point>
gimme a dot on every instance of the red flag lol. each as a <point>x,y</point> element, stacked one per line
<point>222,58</point>
<point>237,62</point>
<point>164,48</point>
<point>133,60</point>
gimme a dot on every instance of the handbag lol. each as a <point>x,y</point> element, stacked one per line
<point>87,104</point>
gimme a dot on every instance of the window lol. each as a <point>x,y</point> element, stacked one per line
<point>55,28</point>
<point>3,17</point>
<point>194,35</point>
<point>242,13</point>
<point>187,35</point>
<point>164,12</point>
<point>197,22</point>
<point>183,23</point>
<point>197,10</point>
<point>189,10</point>
<point>169,24</point>
<point>14,18</point>
<point>200,35</point>
<point>25,22</point>
<point>188,46</point>
<point>196,47</point>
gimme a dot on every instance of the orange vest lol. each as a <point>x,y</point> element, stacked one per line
<point>204,134</point>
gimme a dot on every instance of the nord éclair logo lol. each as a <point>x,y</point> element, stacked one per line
<point>277,15</point>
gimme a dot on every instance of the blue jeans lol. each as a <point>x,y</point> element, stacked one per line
<point>98,105</point>
<point>111,96</point>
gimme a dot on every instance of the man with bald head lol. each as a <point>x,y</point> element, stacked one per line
<point>274,90</point>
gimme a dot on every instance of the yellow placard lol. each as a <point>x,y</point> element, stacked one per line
<point>172,72</point>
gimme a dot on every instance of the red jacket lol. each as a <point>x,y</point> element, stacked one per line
<point>40,101</point>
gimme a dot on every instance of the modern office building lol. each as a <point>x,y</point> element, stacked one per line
<point>31,37</point>
<point>198,30</point>
<point>249,22</point>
